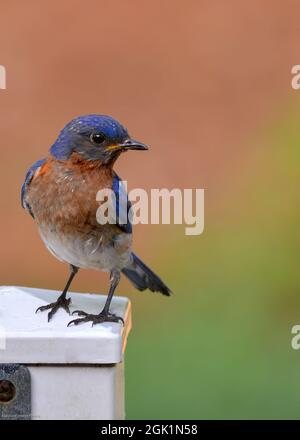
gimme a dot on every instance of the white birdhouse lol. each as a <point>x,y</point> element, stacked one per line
<point>51,371</point>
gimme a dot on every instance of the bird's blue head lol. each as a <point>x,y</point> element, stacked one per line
<point>94,137</point>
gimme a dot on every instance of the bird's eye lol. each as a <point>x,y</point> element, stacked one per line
<point>97,138</point>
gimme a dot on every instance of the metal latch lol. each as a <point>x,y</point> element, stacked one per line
<point>15,392</point>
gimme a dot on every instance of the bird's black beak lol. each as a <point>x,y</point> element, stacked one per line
<point>131,144</point>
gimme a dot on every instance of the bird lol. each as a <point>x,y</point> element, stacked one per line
<point>59,192</point>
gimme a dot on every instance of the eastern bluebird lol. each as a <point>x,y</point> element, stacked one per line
<point>60,194</point>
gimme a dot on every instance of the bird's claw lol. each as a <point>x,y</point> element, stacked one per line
<point>79,313</point>
<point>63,303</point>
<point>95,319</point>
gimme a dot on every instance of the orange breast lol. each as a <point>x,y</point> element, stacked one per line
<point>62,195</point>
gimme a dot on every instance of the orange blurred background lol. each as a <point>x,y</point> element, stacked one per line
<point>206,85</point>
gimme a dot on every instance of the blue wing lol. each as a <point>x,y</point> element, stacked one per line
<point>122,205</point>
<point>28,178</point>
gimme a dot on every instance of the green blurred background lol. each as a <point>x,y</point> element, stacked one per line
<point>207,85</point>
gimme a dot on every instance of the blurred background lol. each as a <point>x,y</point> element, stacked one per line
<point>207,85</point>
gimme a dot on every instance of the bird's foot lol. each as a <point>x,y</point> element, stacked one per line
<point>95,319</point>
<point>61,302</point>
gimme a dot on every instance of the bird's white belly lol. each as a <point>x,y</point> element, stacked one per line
<point>89,252</point>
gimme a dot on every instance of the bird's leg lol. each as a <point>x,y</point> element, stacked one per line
<point>62,301</point>
<point>104,315</point>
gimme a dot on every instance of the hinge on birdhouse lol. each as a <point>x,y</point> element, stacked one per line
<point>15,392</point>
